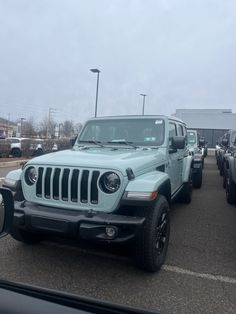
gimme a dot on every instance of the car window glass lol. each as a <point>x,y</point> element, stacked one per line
<point>172,132</point>
<point>180,130</point>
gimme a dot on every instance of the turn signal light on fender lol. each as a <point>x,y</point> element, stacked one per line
<point>142,195</point>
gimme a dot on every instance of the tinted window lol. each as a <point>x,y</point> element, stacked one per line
<point>172,132</point>
<point>137,131</point>
<point>180,130</point>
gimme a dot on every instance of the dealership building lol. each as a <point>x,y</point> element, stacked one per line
<point>210,123</point>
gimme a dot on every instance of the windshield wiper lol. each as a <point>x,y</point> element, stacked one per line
<point>122,142</point>
<point>98,143</point>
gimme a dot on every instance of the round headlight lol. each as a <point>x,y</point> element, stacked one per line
<point>110,182</point>
<point>31,175</point>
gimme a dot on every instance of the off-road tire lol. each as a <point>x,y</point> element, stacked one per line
<point>222,169</point>
<point>224,176</point>
<point>230,190</point>
<point>16,153</point>
<point>197,179</point>
<point>186,192</point>
<point>152,242</point>
<point>25,236</point>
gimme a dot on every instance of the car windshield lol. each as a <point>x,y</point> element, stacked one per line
<point>143,132</point>
<point>191,137</point>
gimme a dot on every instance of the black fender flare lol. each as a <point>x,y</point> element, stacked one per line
<point>165,190</point>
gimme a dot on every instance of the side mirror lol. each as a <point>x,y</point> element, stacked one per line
<point>202,142</point>
<point>225,142</point>
<point>6,211</point>
<point>178,142</point>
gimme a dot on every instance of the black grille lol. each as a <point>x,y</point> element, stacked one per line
<point>75,185</point>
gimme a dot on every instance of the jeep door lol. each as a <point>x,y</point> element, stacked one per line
<point>173,164</point>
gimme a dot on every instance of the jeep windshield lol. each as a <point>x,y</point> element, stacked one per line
<point>123,132</point>
<point>191,136</point>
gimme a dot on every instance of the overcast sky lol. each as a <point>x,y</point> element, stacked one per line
<point>181,53</point>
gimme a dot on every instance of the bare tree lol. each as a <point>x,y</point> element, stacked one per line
<point>68,128</point>
<point>46,128</point>
<point>28,128</point>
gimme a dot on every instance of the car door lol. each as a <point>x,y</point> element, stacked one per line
<point>173,160</point>
<point>181,152</point>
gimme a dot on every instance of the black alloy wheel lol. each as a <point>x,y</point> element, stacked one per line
<point>152,242</point>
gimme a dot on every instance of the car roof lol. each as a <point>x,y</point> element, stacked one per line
<point>137,117</point>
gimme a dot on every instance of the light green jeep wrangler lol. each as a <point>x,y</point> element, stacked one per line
<point>115,185</point>
<point>196,149</point>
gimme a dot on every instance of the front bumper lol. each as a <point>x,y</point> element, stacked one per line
<point>75,223</point>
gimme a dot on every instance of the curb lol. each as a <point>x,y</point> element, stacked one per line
<point>14,163</point>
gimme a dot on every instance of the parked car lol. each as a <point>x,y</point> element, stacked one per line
<point>195,148</point>
<point>226,153</point>
<point>16,147</point>
<point>36,147</point>
<point>228,145</point>
<point>116,185</point>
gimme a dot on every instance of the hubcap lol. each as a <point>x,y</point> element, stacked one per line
<point>161,233</point>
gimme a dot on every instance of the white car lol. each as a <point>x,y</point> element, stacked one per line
<point>16,146</point>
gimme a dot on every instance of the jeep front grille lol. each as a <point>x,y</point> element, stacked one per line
<point>69,185</point>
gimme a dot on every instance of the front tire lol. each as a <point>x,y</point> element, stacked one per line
<point>186,192</point>
<point>152,242</point>
<point>16,153</point>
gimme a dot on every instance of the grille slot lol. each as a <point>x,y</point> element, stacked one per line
<point>94,188</point>
<point>74,185</point>
<point>64,187</point>
<point>39,182</point>
<point>47,180</point>
<point>56,183</point>
<point>68,185</point>
<point>84,187</point>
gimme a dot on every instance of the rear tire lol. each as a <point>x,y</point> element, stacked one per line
<point>230,190</point>
<point>152,242</point>
<point>197,179</point>
<point>25,236</point>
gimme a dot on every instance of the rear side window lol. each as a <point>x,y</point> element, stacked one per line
<point>172,132</point>
<point>180,130</point>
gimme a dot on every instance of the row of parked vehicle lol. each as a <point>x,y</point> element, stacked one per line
<point>226,161</point>
<point>18,147</point>
<point>116,185</point>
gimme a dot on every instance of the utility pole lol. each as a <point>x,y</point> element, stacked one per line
<point>8,121</point>
<point>51,111</point>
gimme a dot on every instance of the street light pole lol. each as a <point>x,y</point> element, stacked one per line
<point>144,97</point>
<point>96,101</point>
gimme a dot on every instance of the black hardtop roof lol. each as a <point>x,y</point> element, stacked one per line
<point>137,117</point>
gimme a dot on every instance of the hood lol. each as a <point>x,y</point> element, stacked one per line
<point>139,160</point>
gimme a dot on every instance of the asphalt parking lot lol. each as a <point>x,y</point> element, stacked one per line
<point>199,275</point>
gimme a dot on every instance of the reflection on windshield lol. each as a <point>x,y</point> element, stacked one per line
<point>146,132</point>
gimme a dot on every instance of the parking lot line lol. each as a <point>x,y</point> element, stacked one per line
<point>165,267</point>
<point>179,270</point>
